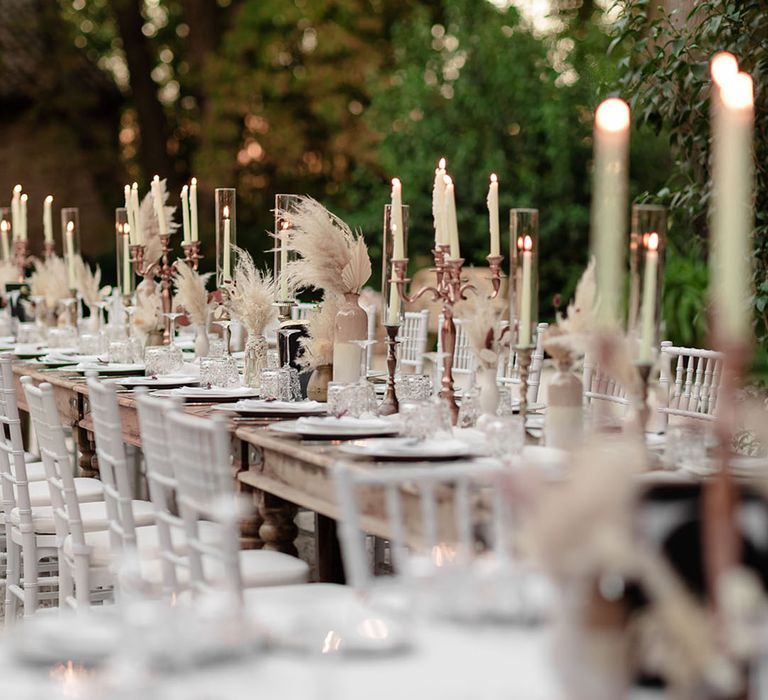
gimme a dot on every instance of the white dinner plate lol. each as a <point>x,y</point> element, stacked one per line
<point>407,448</point>
<point>156,382</point>
<point>201,393</point>
<point>256,407</point>
<point>341,428</point>
<point>107,368</point>
<point>29,350</point>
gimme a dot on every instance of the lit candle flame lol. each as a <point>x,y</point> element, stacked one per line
<point>528,243</point>
<point>17,189</point>
<point>653,241</point>
<point>70,226</point>
<point>441,164</point>
<point>4,226</point>
<point>723,67</point>
<point>225,212</point>
<point>612,115</point>
<point>738,92</point>
<point>49,199</point>
<point>494,178</point>
<point>193,181</point>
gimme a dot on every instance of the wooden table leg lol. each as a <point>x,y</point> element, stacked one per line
<point>330,567</point>
<point>249,526</point>
<point>84,443</point>
<point>278,531</point>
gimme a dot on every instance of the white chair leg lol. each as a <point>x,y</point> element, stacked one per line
<point>66,585</point>
<point>31,574</point>
<point>12,579</point>
<point>82,581</point>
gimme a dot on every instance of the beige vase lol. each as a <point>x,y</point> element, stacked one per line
<point>154,338</point>
<point>351,324</point>
<point>317,388</point>
<point>564,422</point>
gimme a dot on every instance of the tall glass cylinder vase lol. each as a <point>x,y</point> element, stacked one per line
<point>125,276</point>
<point>70,236</point>
<point>285,204</point>
<point>226,235</point>
<point>395,245</point>
<point>6,233</point>
<point>524,273</point>
<point>647,246</point>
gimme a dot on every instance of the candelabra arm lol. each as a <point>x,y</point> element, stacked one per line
<point>494,263</point>
<point>400,281</point>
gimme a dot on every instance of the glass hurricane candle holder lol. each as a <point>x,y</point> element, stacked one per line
<point>524,272</point>
<point>646,261</point>
<point>125,278</point>
<point>6,233</point>
<point>284,205</point>
<point>226,235</point>
<point>394,246</point>
<point>70,236</point>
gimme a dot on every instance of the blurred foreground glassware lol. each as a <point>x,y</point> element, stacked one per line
<point>416,417</point>
<point>470,409</point>
<point>28,332</point>
<point>413,387</point>
<point>686,445</point>
<point>288,386</point>
<point>161,360</point>
<point>219,372</point>
<point>64,337</point>
<point>505,435</point>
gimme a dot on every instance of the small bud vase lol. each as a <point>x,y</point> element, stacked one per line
<point>317,388</point>
<point>202,346</point>
<point>485,379</point>
<point>255,360</point>
<point>351,324</point>
<point>564,421</point>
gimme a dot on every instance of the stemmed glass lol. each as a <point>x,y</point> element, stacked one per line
<point>172,316</point>
<point>69,304</point>
<point>175,356</point>
<point>225,324</point>
<point>441,407</point>
<point>367,390</point>
<point>101,305</point>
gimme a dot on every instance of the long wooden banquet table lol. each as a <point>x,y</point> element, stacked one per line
<point>280,474</point>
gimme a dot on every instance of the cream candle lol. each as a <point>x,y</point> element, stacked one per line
<point>609,203</point>
<point>157,196</point>
<point>438,204</point>
<point>526,247</point>
<point>23,218</point>
<point>15,211</point>
<point>5,246</point>
<point>226,266</point>
<point>451,221</point>
<point>193,209</point>
<point>648,308</point>
<point>283,242</point>
<point>398,246</point>
<point>129,213</point>
<point>48,219</point>
<point>493,214</point>
<point>127,271</point>
<point>69,246</point>
<point>185,213</point>
<point>732,215</point>
<point>139,233</point>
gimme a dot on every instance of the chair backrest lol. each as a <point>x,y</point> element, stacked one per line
<point>302,310</point>
<point>13,468</point>
<point>463,359</point>
<point>58,463</point>
<point>442,511</point>
<point>153,415</point>
<point>600,387</point>
<point>200,447</point>
<point>413,339</point>
<point>115,470</point>
<point>692,388</point>
<point>509,372</point>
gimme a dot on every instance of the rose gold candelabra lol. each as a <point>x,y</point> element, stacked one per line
<point>21,258</point>
<point>449,290</point>
<point>163,269</point>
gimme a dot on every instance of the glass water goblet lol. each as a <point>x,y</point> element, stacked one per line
<point>172,316</point>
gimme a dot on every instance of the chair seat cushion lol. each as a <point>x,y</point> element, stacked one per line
<point>88,490</point>
<point>94,516</point>
<point>35,471</point>
<point>147,542</point>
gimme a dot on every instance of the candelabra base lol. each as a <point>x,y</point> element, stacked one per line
<point>524,359</point>
<point>390,404</point>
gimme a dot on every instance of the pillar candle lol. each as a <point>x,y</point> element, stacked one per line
<point>47,219</point>
<point>732,215</point>
<point>438,204</point>
<point>129,214</point>
<point>193,208</point>
<point>648,308</point>
<point>70,248</point>
<point>609,203</point>
<point>525,301</point>
<point>451,222</point>
<point>139,237</point>
<point>226,267</point>
<point>493,214</point>
<point>157,195</point>
<point>185,213</point>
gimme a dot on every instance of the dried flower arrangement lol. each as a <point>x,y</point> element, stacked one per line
<point>318,345</point>
<point>191,294</point>
<point>250,297</point>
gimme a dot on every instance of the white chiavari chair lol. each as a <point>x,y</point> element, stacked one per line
<point>82,578</point>
<point>691,389</point>
<point>509,373</point>
<point>24,547</point>
<point>205,483</point>
<point>433,510</point>
<point>414,335</point>
<point>598,386</point>
<point>463,359</point>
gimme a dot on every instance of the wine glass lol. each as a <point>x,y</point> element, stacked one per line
<point>69,304</point>
<point>172,316</point>
<point>442,413</point>
<point>101,305</point>
<point>225,324</point>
